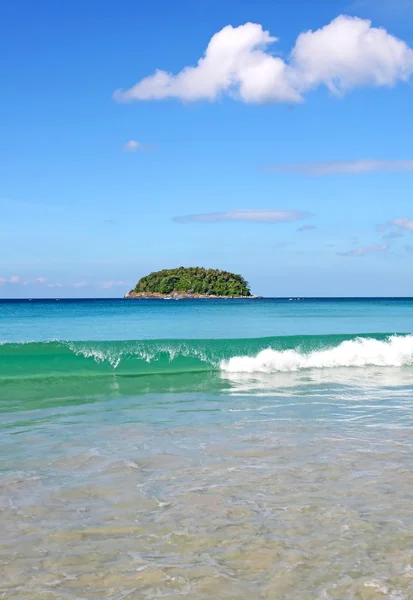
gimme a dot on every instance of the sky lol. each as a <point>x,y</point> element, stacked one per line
<point>268,138</point>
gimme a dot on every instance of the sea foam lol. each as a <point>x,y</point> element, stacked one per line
<point>395,351</point>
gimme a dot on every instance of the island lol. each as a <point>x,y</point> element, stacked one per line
<point>191,282</point>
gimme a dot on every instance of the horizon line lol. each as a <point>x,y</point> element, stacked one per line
<point>289,298</point>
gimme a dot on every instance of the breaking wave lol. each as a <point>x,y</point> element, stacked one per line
<point>147,357</point>
<point>395,351</point>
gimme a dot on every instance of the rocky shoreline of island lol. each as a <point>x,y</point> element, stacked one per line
<point>132,295</point>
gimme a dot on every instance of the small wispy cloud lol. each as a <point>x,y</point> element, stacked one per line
<point>393,235</point>
<point>13,279</point>
<point>395,9</point>
<point>17,280</point>
<point>409,249</point>
<point>79,284</point>
<point>37,281</point>
<point>307,228</point>
<point>111,284</point>
<point>342,167</point>
<point>44,282</point>
<point>401,223</point>
<point>134,146</point>
<point>279,245</point>
<point>363,250</point>
<point>249,216</point>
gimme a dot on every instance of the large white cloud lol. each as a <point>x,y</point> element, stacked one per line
<point>235,61</point>
<point>347,53</point>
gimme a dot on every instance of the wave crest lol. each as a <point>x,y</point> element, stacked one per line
<point>395,351</point>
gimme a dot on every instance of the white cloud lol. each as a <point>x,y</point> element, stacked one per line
<point>79,284</point>
<point>41,279</point>
<point>363,250</point>
<point>252,216</point>
<point>346,53</point>
<point>307,228</point>
<point>350,53</point>
<point>343,167</point>
<point>409,249</point>
<point>235,61</point>
<point>55,285</point>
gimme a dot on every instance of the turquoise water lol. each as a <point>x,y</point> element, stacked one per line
<point>233,449</point>
<point>191,319</point>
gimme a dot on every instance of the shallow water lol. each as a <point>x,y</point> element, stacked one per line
<point>222,483</point>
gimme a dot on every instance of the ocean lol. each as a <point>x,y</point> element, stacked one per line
<point>231,449</point>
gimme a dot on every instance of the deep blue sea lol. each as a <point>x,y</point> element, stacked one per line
<point>206,448</point>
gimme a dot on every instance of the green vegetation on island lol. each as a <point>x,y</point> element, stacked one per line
<point>192,281</point>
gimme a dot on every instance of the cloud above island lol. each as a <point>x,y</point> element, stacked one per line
<point>14,279</point>
<point>249,216</point>
<point>43,282</point>
<point>342,167</point>
<point>240,62</point>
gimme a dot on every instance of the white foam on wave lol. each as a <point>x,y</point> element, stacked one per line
<point>395,351</point>
<point>97,354</point>
<point>115,355</point>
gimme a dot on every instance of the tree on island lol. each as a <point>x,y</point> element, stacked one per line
<point>193,280</point>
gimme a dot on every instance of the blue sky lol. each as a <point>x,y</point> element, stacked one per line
<point>288,161</point>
